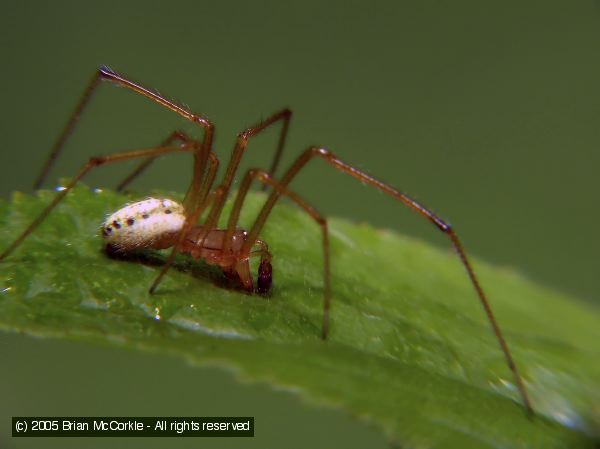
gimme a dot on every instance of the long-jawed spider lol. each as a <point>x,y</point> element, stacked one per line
<point>162,223</point>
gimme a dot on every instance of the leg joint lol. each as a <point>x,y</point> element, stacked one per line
<point>106,72</point>
<point>208,126</point>
<point>319,151</point>
<point>446,228</point>
<point>259,174</point>
<point>96,161</point>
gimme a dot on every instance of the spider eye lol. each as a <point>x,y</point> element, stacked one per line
<point>265,277</point>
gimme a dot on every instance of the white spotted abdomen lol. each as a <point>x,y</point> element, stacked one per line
<point>151,223</point>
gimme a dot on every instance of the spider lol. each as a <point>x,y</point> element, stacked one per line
<point>161,223</point>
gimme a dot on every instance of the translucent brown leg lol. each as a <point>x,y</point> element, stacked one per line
<point>106,74</point>
<point>88,166</point>
<point>175,135</point>
<point>282,189</point>
<point>331,159</point>
<point>287,116</point>
<point>238,151</point>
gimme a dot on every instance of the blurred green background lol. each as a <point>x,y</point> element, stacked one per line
<point>487,112</point>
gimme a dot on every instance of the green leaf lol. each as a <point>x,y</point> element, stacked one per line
<point>410,349</point>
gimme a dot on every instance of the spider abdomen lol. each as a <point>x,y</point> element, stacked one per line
<point>151,223</point>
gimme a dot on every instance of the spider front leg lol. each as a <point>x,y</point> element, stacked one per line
<point>444,227</point>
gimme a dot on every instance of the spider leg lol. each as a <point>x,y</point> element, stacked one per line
<point>331,159</point>
<point>87,167</point>
<point>241,144</point>
<point>175,135</point>
<point>284,115</point>
<point>287,116</point>
<point>106,74</point>
<point>282,189</point>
